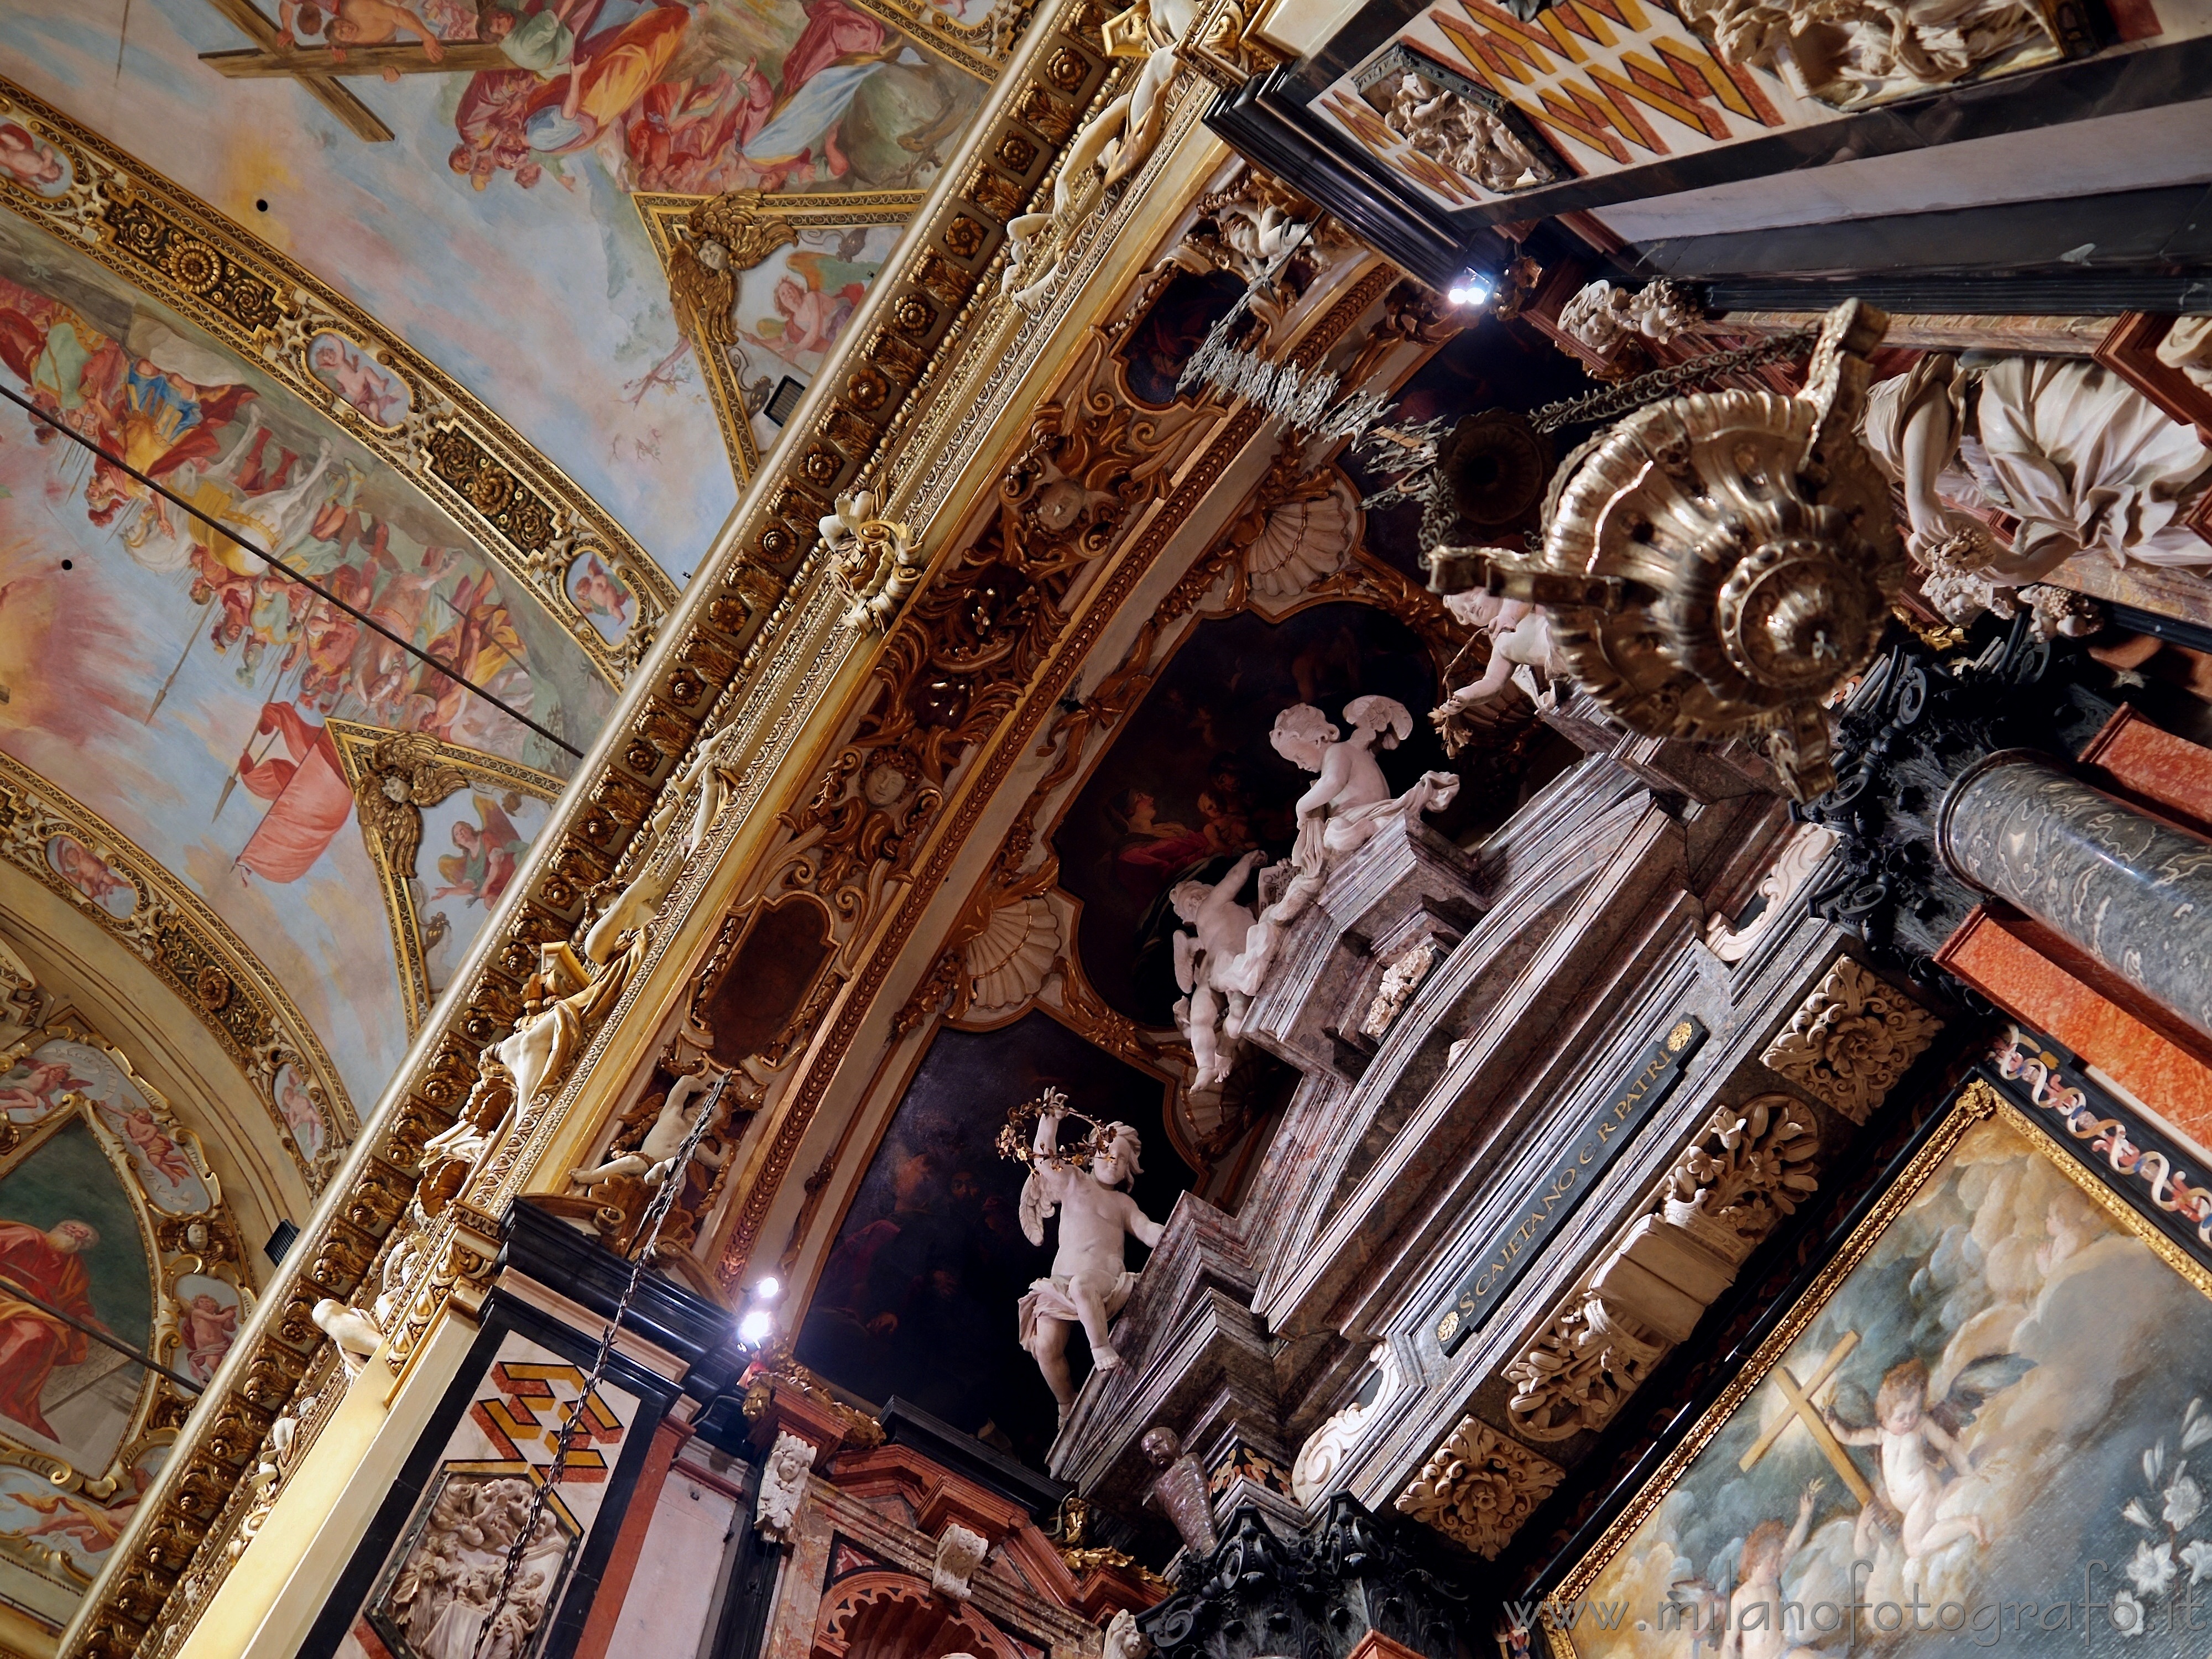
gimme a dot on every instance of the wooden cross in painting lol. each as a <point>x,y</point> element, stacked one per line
<point>1803,1410</point>
<point>318,68</point>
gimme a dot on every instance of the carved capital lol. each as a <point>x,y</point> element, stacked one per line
<point>1478,1487</point>
<point>1851,1039</point>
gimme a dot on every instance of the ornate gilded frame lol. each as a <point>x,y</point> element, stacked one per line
<point>1976,1101</point>
<point>172,930</point>
<point>355,744</point>
<point>529,517</point>
<point>662,211</point>
<point>203,1242</point>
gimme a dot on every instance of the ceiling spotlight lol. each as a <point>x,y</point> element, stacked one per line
<point>1470,287</point>
<point>756,1327</point>
<point>768,1289</point>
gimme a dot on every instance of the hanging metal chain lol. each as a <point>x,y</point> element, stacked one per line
<point>656,1213</point>
<point>1649,388</point>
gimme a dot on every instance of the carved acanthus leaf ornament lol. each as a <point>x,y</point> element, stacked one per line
<point>1478,1487</point>
<point>1851,1039</point>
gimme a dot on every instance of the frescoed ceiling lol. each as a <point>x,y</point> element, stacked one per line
<point>468,177</point>
<point>354,450</point>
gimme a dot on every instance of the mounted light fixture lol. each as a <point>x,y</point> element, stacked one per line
<point>1470,287</point>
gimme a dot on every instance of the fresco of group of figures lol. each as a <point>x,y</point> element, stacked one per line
<point>93,1165</point>
<point>175,682</point>
<point>499,209</point>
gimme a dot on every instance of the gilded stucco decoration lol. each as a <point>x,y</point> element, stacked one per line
<point>108,1210</point>
<point>822,223</point>
<point>1478,1487</point>
<point>755,650</point>
<point>1851,1039</point>
<point>396,777</point>
<point>133,898</point>
<point>528,517</point>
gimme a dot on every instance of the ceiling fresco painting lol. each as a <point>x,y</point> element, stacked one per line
<point>178,686</point>
<point>917,1296</point>
<point>497,208</point>
<point>445,853</point>
<point>109,1212</point>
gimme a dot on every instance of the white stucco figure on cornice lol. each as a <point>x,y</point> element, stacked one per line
<point>1208,959</point>
<point>1347,803</point>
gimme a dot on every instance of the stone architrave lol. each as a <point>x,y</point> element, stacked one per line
<point>1852,1040</point>
<point>1478,1487</point>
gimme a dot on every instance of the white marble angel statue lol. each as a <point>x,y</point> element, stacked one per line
<point>1519,639</point>
<point>1090,1281</point>
<point>655,1156</point>
<point>2083,460</point>
<point>1346,805</point>
<point>1207,963</point>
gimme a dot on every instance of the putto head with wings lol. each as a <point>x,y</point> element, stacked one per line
<point>718,242</point>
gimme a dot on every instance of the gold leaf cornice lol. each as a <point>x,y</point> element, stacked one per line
<point>210,969</point>
<point>731,626</point>
<point>531,518</point>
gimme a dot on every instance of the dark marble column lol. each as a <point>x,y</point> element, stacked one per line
<point>2132,890</point>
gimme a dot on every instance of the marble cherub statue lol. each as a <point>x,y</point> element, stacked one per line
<point>1519,638</point>
<point>655,1156</point>
<point>1090,1281</point>
<point>1347,803</point>
<point>1207,959</point>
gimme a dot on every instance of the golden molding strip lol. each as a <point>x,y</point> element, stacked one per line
<point>394,775</point>
<point>888,371</point>
<point>80,855</point>
<point>531,518</point>
<point>663,211</point>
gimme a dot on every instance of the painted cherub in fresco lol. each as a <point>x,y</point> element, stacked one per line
<point>1915,1438</point>
<point>27,160</point>
<point>1767,1553</point>
<point>33,1085</point>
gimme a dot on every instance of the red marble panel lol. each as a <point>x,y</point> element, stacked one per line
<point>1993,957</point>
<point>2168,774</point>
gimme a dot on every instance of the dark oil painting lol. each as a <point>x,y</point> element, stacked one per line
<point>1192,782</point>
<point>1174,329</point>
<point>918,1298</point>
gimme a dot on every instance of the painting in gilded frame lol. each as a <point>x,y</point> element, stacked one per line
<point>1993,1400</point>
<point>109,1213</point>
